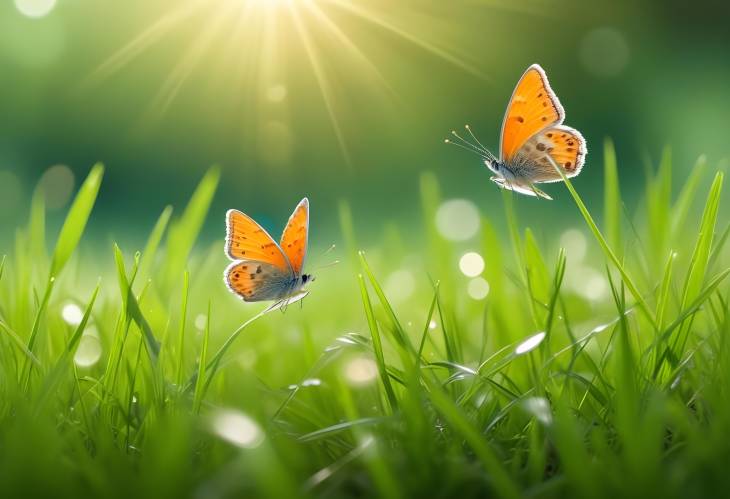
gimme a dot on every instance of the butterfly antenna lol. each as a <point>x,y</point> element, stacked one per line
<point>468,129</point>
<point>464,144</point>
<point>327,265</point>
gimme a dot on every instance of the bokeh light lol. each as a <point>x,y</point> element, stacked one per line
<point>575,244</point>
<point>88,351</point>
<point>276,93</point>
<point>539,407</point>
<point>457,219</point>
<point>478,288</point>
<point>72,314</point>
<point>361,371</point>
<point>35,8</point>
<point>57,184</point>
<point>237,429</point>
<point>471,264</point>
<point>399,285</point>
<point>604,52</point>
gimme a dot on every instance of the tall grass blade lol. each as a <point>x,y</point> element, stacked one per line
<point>611,196</point>
<point>75,223</point>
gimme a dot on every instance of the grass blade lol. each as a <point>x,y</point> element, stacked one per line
<point>75,223</point>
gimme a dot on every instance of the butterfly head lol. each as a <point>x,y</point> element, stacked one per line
<point>307,278</point>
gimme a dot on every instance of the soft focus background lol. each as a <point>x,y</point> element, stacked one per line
<point>549,361</point>
<point>336,99</point>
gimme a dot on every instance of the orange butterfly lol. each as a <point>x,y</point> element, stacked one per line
<point>533,139</point>
<point>262,269</point>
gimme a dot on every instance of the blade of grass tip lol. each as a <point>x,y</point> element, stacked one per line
<point>503,483</point>
<point>687,195</point>
<point>18,341</point>
<point>427,327</point>
<point>377,345</point>
<point>214,362</point>
<point>35,328</point>
<point>664,289</point>
<point>183,233</point>
<point>606,248</point>
<point>701,256</point>
<point>200,387</point>
<point>75,223</point>
<point>611,195</point>
<point>399,333</point>
<point>552,304</point>
<point>153,241</point>
<point>181,336</point>
<point>659,196</point>
<point>453,353</point>
<point>717,250</point>
<point>132,307</point>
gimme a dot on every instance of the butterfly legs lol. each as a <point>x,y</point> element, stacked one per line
<point>531,190</point>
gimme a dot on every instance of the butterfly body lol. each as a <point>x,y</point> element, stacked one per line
<point>533,143</point>
<point>262,269</point>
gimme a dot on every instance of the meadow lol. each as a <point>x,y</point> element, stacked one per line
<point>596,364</point>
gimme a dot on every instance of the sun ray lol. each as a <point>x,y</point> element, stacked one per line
<point>322,81</point>
<point>187,64</point>
<point>361,13</point>
<point>348,43</point>
<point>143,41</point>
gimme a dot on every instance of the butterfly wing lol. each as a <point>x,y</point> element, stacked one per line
<point>247,240</point>
<point>294,238</point>
<point>564,145</point>
<point>532,108</point>
<point>258,281</point>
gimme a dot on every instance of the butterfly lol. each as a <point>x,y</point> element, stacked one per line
<point>533,140</point>
<point>262,269</point>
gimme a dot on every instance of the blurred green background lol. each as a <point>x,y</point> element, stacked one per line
<point>337,99</point>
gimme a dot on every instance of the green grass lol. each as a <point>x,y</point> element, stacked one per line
<point>355,394</point>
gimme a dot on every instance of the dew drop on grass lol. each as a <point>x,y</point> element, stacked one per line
<point>530,343</point>
<point>311,382</point>
<point>478,288</point>
<point>88,352</point>
<point>433,324</point>
<point>361,371</point>
<point>471,264</point>
<point>236,428</point>
<point>457,219</point>
<point>72,314</point>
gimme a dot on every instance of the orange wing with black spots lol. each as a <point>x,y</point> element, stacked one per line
<point>247,240</point>
<point>532,108</point>
<point>294,238</point>
<point>567,148</point>
<point>258,281</point>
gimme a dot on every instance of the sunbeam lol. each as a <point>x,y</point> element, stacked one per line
<point>253,44</point>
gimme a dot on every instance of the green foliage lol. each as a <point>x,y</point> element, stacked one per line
<point>537,391</point>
